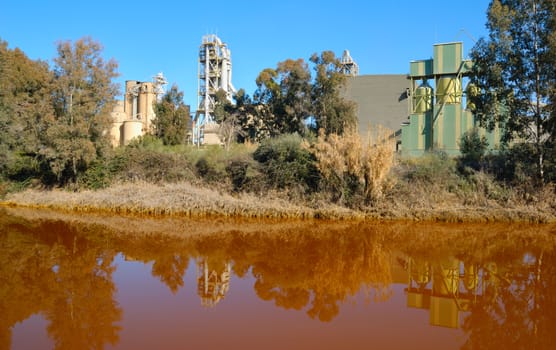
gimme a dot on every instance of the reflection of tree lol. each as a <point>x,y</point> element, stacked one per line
<point>519,313</point>
<point>49,269</point>
<point>83,312</point>
<point>170,269</point>
<point>25,274</point>
<point>65,271</point>
<point>317,271</point>
<point>288,298</point>
<point>169,256</point>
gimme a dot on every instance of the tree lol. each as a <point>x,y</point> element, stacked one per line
<point>514,73</point>
<point>287,90</point>
<point>332,112</point>
<point>25,105</point>
<point>226,115</point>
<point>84,96</point>
<point>292,97</point>
<point>172,120</point>
<point>251,118</point>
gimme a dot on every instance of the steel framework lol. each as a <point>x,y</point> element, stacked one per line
<point>215,73</point>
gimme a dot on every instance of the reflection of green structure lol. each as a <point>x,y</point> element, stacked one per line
<point>438,119</point>
<point>442,289</point>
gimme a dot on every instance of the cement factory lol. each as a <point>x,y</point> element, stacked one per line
<point>134,116</point>
<point>425,109</point>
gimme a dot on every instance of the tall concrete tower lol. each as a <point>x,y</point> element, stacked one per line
<point>349,67</point>
<point>215,73</point>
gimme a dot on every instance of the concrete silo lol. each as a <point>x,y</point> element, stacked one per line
<point>134,116</point>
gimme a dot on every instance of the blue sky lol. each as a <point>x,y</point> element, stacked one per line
<point>147,37</point>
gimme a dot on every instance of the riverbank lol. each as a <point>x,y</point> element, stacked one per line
<point>186,200</point>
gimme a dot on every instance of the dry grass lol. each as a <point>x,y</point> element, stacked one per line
<point>186,200</point>
<point>378,160</point>
<point>178,199</point>
<point>347,155</point>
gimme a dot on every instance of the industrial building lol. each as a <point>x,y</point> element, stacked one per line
<point>438,117</point>
<point>215,73</point>
<point>134,116</point>
<point>426,109</point>
<point>380,100</point>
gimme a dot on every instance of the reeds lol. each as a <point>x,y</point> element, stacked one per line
<point>378,160</point>
<point>343,159</point>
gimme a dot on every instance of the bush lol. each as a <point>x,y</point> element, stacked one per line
<point>432,168</point>
<point>21,167</point>
<point>153,164</point>
<point>286,164</point>
<point>473,148</point>
<point>207,170</point>
<point>354,171</point>
<point>97,176</point>
<point>237,171</point>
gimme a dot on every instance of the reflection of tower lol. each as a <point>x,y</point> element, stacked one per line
<point>445,304</point>
<point>443,288</point>
<point>215,73</point>
<point>212,285</point>
<point>348,67</point>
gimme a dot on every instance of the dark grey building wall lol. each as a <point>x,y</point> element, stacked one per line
<point>380,99</point>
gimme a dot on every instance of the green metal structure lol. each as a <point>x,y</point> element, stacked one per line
<point>438,118</point>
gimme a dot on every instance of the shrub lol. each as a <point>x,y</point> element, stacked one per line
<point>286,164</point>
<point>431,168</point>
<point>137,162</point>
<point>473,148</point>
<point>97,176</point>
<point>237,171</point>
<point>378,159</point>
<point>206,170</point>
<point>351,168</point>
<point>146,141</point>
<point>22,167</point>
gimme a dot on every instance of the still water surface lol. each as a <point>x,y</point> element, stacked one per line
<point>129,283</point>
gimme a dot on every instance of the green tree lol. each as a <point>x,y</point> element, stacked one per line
<point>25,106</point>
<point>515,72</point>
<point>226,115</point>
<point>287,92</point>
<point>172,121</point>
<point>84,96</point>
<point>254,119</point>
<point>473,148</point>
<point>332,112</point>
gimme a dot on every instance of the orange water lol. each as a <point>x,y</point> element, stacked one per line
<point>82,284</point>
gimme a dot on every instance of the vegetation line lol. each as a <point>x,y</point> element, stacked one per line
<point>185,200</point>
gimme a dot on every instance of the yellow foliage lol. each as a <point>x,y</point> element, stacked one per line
<point>378,159</point>
<point>343,155</point>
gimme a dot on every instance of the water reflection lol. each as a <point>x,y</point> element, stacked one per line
<point>494,285</point>
<point>63,276</point>
<point>212,282</point>
<point>448,287</point>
